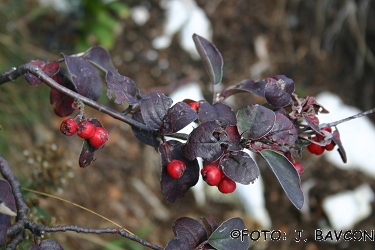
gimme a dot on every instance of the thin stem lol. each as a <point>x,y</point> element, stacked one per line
<point>332,124</point>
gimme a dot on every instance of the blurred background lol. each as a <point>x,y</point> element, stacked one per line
<point>323,45</point>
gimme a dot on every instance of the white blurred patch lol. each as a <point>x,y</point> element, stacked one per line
<point>63,6</point>
<point>347,208</point>
<point>140,15</point>
<point>186,17</point>
<point>357,136</point>
<point>263,65</point>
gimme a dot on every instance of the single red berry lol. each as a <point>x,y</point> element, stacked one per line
<point>68,127</point>
<point>194,105</point>
<point>315,148</point>
<point>99,138</point>
<point>212,175</point>
<point>85,129</point>
<point>330,146</point>
<point>329,129</point>
<point>176,168</point>
<point>226,185</point>
<point>299,167</point>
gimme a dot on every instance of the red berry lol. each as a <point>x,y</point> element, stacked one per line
<point>99,138</point>
<point>226,185</point>
<point>315,148</point>
<point>330,146</point>
<point>299,167</point>
<point>212,175</point>
<point>68,127</point>
<point>85,129</point>
<point>194,105</point>
<point>176,168</point>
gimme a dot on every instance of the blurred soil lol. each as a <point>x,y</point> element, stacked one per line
<point>122,183</point>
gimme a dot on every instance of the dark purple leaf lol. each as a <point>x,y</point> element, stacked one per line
<point>87,153</point>
<point>240,167</point>
<point>217,112</point>
<point>211,57</point>
<point>144,136</point>
<point>50,69</point>
<point>283,132</point>
<point>231,138</point>
<point>7,209</point>
<point>202,143</point>
<point>256,120</point>
<point>123,87</point>
<point>209,224</point>
<point>84,77</point>
<point>154,108</point>
<point>99,56</point>
<point>34,247</point>
<point>336,139</point>
<point>311,123</point>
<point>221,238</point>
<point>189,234</point>
<point>286,174</point>
<point>277,91</point>
<point>50,245</point>
<point>173,188</point>
<point>248,85</point>
<point>178,116</point>
<point>63,102</point>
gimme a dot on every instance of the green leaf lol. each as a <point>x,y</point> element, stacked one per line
<point>286,174</point>
<point>221,238</point>
<point>211,57</point>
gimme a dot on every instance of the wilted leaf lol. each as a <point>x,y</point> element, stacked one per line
<point>283,132</point>
<point>173,188</point>
<point>277,91</point>
<point>84,77</point>
<point>248,85</point>
<point>221,239</point>
<point>336,139</point>
<point>286,174</point>
<point>191,230</point>
<point>123,87</point>
<point>202,143</point>
<point>154,108</point>
<point>211,57</point>
<point>255,119</point>
<point>100,56</point>
<point>240,167</point>
<point>144,136</point>
<point>219,112</point>
<point>7,208</point>
<point>50,69</point>
<point>178,116</point>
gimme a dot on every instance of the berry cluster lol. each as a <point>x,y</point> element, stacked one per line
<point>214,176</point>
<point>96,136</point>
<point>317,149</point>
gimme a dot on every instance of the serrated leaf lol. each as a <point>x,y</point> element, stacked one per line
<point>173,188</point>
<point>240,167</point>
<point>191,230</point>
<point>8,205</point>
<point>248,85</point>
<point>283,132</point>
<point>84,77</point>
<point>50,69</point>
<point>123,87</point>
<point>256,120</point>
<point>100,56</point>
<point>202,143</point>
<point>277,93</point>
<point>286,174</point>
<point>217,112</point>
<point>211,57</point>
<point>154,108</point>
<point>178,116</point>
<point>221,239</point>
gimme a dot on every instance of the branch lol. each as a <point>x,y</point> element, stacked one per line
<point>332,124</point>
<point>14,73</point>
